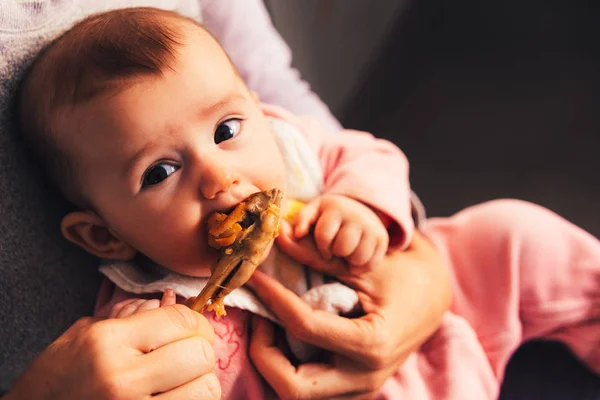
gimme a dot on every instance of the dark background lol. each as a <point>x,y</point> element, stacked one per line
<point>492,99</point>
<point>488,99</point>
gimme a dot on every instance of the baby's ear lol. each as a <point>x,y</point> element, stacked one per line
<point>88,231</point>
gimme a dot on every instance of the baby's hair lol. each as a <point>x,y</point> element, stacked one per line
<point>99,56</point>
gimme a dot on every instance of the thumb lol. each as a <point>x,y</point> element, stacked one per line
<point>80,325</point>
<point>306,217</point>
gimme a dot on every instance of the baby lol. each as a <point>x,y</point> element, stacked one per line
<point>144,124</point>
<point>148,129</point>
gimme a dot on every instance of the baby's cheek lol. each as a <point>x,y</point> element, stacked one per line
<point>185,251</point>
<point>269,169</point>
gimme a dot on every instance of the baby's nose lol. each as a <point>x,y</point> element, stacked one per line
<point>218,177</point>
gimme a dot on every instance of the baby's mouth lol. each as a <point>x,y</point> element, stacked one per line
<point>247,221</point>
<point>242,236</point>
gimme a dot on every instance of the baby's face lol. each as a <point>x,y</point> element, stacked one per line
<point>159,157</point>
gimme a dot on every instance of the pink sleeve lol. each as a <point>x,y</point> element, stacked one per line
<point>246,31</point>
<point>358,165</point>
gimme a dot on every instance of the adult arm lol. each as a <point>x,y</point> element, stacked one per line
<point>246,31</point>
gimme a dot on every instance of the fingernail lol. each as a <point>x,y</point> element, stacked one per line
<point>169,293</point>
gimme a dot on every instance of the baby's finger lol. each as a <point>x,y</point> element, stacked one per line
<point>378,255</point>
<point>148,305</point>
<point>305,252</point>
<point>347,240</point>
<point>168,298</point>
<point>117,307</point>
<point>364,252</point>
<point>130,308</point>
<point>326,229</point>
<point>306,218</point>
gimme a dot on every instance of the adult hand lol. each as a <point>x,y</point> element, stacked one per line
<point>404,299</point>
<point>166,352</point>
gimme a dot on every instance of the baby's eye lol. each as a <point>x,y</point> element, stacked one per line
<point>226,130</point>
<point>157,173</point>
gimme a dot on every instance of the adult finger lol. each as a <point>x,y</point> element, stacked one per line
<point>155,328</point>
<point>356,338</point>
<point>308,381</point>
<point>263,349</point>
<point>305,252</point>
<point>205,387</point>
<point>191,358</point>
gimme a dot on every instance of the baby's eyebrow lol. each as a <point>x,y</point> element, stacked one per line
<point>214,108</point>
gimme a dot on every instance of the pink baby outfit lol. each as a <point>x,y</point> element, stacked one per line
<point>519,272</point>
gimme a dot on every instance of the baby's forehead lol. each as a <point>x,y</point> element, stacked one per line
<point>149,106</point>
<point>106,65</point>
<point>105,54</point>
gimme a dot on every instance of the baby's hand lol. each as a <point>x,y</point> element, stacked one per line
<point>132,306</point>
<point>346,228</point>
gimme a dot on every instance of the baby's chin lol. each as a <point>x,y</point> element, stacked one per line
<point>197,269</point>
<point>203,270</point>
